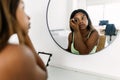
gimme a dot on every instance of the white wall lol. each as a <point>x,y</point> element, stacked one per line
<point>94,2</point>
<point>39,31</point>
<point>58,10</point>
<point>106,62</point>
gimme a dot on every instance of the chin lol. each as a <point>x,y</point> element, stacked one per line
<point>82,28</point>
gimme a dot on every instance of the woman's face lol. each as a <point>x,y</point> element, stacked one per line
<point>82,20</point>
<point>22,17</point>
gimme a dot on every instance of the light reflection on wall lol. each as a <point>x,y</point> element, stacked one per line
<point>105,11</point>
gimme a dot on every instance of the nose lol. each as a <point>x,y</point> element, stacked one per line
<point>28,17</point>
<point>81,21</point>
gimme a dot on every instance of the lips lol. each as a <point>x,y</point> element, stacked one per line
<point>82,25</point>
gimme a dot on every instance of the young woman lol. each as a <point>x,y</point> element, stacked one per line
<point>17,61</point>
<point>83,38</point>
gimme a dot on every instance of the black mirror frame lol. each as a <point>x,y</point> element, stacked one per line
<point>49,28</point>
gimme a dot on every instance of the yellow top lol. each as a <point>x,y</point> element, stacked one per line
<point>74,51</point>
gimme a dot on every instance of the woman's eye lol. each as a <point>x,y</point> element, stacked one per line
<point>83,18</point>
<point>75,20</point>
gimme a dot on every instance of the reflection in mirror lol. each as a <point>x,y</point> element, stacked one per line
<point>103,14</point>
<point>83,38</point>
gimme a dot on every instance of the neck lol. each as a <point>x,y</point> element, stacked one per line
<point>83,31</point>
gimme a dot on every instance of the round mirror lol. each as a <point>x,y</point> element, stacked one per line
<point>83,26</point>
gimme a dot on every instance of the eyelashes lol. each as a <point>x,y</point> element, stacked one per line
<point>74,20</point>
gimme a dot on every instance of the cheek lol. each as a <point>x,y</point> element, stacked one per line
<point>23,21</point>
<point>86,22</point>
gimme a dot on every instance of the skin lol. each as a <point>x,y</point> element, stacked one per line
<point>22,17</point>
<point>81,43</point>
<point>18,61</point>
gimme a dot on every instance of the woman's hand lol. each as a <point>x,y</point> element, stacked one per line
<point>28,43</point>
<point>74,24</point>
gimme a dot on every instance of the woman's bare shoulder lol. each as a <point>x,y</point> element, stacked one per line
<point>14,50</point>
<point>16,60</point>
<point>70,36</point>
<point>94,33</point>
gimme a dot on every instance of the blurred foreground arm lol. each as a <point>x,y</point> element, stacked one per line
<point>38,59</point>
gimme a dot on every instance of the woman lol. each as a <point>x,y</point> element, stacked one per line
<point>17,61</point>
<point>83,38</point>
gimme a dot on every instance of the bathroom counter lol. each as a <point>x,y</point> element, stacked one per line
<point>56,73</point>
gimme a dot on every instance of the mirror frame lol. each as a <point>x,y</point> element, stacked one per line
<point>49,26</point>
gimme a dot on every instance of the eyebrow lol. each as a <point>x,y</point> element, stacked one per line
<point>84,15</point>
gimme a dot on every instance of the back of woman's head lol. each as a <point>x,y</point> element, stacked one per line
<point>8,22</point>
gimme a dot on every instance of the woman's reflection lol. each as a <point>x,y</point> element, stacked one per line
<point>83,38</point>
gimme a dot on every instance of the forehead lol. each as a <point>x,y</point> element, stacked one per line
<point>79,14</point>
